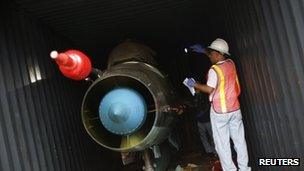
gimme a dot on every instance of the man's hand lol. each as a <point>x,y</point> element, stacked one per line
<point>178,109</point>
<point>198,48</point>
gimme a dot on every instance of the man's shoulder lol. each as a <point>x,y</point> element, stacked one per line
<point>211,71</point>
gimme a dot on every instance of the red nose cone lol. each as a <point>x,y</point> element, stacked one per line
<point>73,64</point>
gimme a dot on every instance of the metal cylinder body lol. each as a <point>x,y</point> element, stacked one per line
<point>131,51</point>
<point>131,66</point>
<point>157,93</point>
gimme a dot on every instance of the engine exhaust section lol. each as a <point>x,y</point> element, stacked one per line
<point>127,108</point>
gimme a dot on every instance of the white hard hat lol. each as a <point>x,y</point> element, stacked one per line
<point>220,45</point>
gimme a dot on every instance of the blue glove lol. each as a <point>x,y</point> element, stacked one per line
<point>190,82</point>
<point>198,48</point>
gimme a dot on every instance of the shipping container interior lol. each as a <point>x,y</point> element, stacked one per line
<point>40,120</point>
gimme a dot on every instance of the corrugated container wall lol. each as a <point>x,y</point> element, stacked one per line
<point>40,124</point>
<point>267,40</point>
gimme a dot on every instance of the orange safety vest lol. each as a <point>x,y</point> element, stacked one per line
<point>225,97</point>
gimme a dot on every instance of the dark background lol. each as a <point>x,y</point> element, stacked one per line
<point>40,124</point>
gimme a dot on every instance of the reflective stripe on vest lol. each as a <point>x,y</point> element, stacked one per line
<point>225,98</point>
<point>238,83</point>
<point>221,87</point>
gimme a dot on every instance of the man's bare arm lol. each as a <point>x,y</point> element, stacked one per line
<point>203,88</point>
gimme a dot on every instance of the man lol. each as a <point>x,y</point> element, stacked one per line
<point>225,114</point>
<point>203,123</point>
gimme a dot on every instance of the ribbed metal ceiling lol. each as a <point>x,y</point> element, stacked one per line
<point>91,22</point>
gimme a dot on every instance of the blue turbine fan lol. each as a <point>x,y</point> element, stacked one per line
<point>122,111</point>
